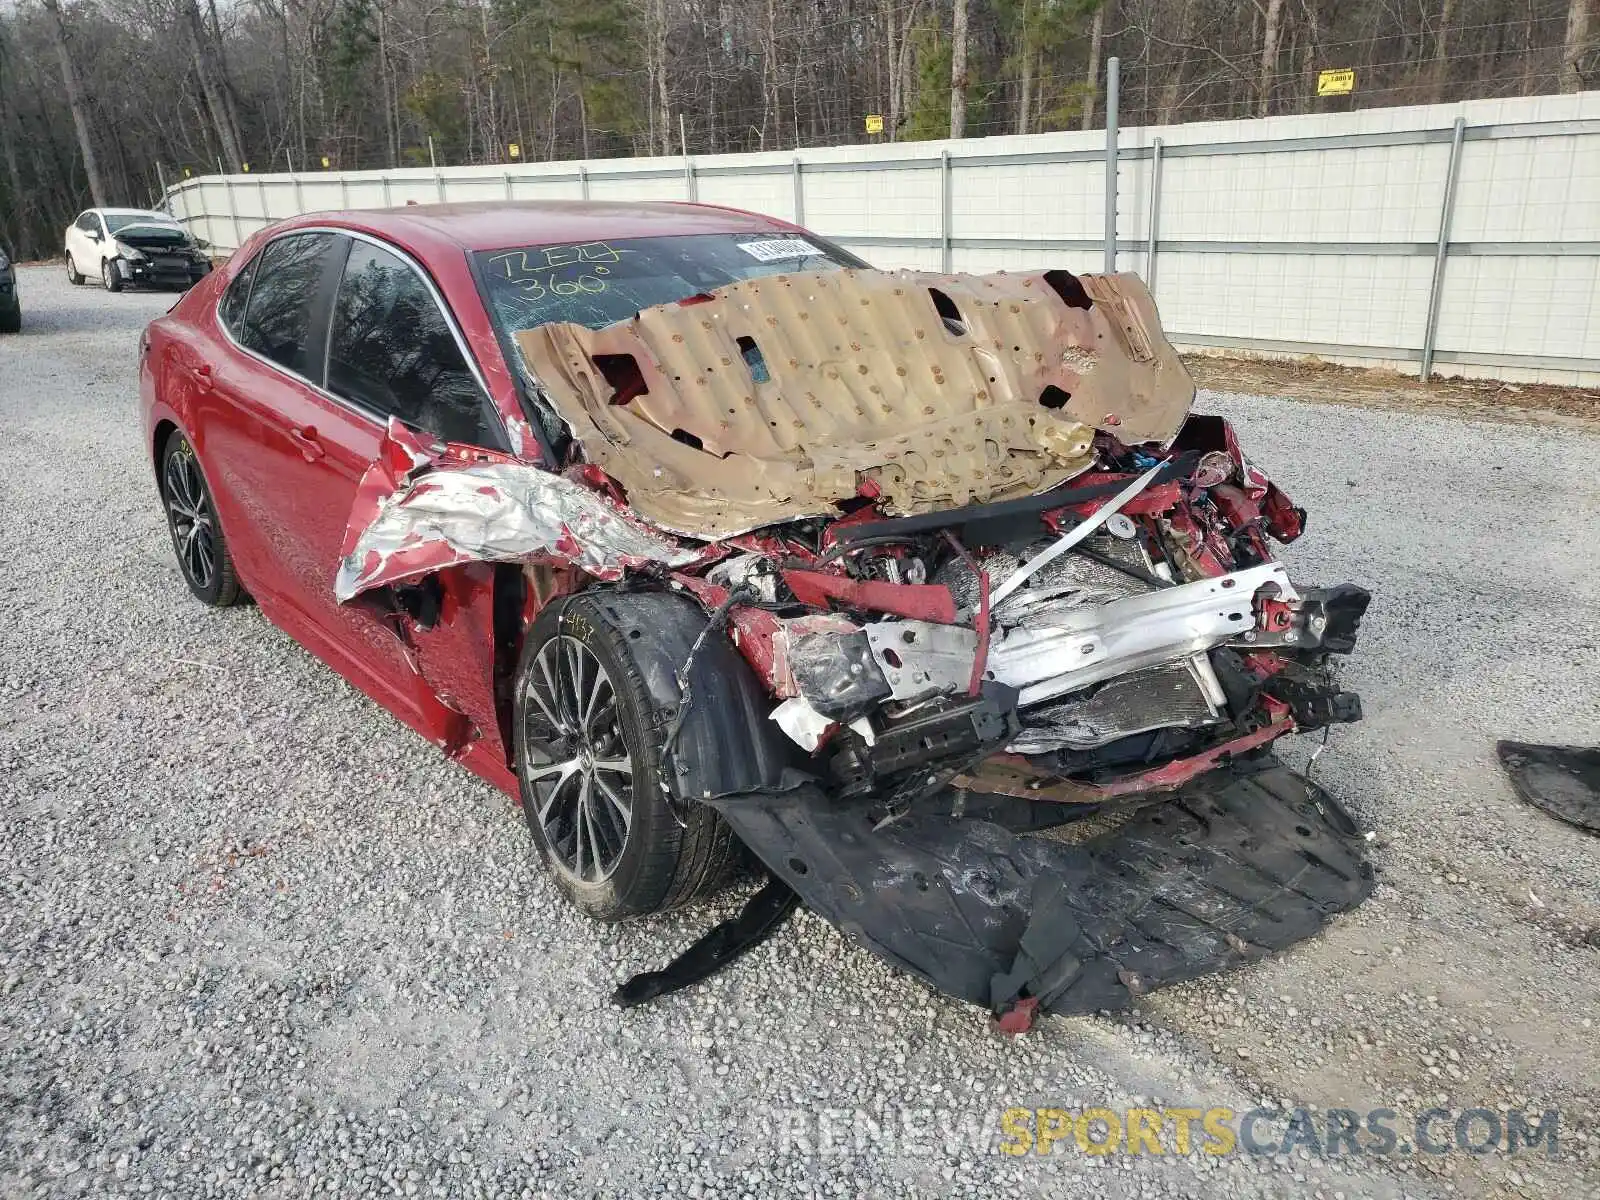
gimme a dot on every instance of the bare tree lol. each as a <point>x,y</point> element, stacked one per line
<point>1441,48</point>
<point>77,102</point>
<point>1091,79</point>
<point>958,70</point>
<point>1269,56</point>
<point>211,85</point>
<point>1574,45</point>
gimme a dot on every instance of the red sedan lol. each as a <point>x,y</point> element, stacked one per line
<point>693,533</point>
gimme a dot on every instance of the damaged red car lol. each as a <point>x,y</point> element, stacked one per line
<point>714,547</point>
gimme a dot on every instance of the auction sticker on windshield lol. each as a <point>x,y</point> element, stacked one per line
<point>773,249</point>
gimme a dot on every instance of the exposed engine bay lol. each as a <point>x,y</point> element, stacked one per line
<point>985,568</point>
<point>1072,653</point>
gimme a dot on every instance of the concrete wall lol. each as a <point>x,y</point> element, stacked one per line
<point>1297,235</point>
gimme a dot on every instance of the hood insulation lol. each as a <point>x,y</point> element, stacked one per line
<point>776,398</point>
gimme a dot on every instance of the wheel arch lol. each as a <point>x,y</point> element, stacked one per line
<point>727,743</point>
<point>164,430</point>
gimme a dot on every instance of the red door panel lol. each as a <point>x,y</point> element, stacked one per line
<point>299,458</point>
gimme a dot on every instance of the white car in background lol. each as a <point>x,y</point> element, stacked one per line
<point>133,245</point>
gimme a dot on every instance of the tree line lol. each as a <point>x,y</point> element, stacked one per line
<point>105,101</point>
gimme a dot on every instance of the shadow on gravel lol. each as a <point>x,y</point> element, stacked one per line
<point>52,305</point>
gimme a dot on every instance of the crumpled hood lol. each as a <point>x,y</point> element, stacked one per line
<point>775,398</point>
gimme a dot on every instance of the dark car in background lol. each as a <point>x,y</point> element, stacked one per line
<point>10,303</point>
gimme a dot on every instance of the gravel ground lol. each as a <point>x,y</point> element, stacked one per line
<point>258,939</point>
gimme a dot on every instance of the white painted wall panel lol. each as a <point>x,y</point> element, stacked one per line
<point>1532,315</point>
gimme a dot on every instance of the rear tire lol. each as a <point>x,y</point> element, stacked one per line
<point>588,743</point>
<point>11,319</point>
<point>109,276</point>
<point>197,537</point>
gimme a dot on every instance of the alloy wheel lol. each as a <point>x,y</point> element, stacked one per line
<point>576,762</point>
<point>189,514</point>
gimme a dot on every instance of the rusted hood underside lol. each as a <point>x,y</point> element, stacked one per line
<point>776,398</point>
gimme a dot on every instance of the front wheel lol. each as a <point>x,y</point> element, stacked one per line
<point>588,753</point>
<point>109,275</point>
<point>74,276</point>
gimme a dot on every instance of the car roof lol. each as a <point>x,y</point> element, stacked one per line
<point>133,212</point>
<point>498,225</point>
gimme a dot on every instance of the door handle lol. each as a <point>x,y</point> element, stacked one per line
<point>306,438</point>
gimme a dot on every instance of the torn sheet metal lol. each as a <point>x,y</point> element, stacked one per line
<point>1236,866</point>
<point>416,514</point>
<point>775,398</point>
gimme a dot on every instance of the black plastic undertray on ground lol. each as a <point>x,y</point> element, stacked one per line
<point>1230,868</point>
<point>1563,781</point>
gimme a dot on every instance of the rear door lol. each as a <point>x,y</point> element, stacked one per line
<point>291,456</point>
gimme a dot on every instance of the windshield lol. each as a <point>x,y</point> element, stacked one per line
<point>117,221</point>
<point>597,283</point>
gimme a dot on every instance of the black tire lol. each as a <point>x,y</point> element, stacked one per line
<point>109,276</point>
<point>74,276</point>
<point>197,537</point>
<point>11,319</point>
<point>656,861</point>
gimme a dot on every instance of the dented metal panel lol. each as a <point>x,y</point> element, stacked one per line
<point>775,398</point>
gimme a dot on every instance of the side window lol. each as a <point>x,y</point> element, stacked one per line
<point>391,351</point>
<point>277,321</point>
<point>88,222</point>
<point>231,310</point>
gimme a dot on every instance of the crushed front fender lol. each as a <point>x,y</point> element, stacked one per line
<point>1238,864</point>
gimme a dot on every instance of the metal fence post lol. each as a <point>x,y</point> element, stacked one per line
<point>1155,216</point>
<point>438,181</point>
<point>233,212</point>
<point>1442,250</point>
<point>689,181</point>
<point>388,196</point>
<point>799,191</point>
<point>508,185</point>
<point>1113,79</point>
<point>583,181</point>
<point>261,191</point>
<point>299,194</point>
<point>946,247</point>
<point>344,191</point>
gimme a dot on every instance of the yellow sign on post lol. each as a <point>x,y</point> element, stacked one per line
<point>1336,83</point>
<point>245,167</point>
<point>326,163</point>
<point>874,123</point>
<point>515,149</point>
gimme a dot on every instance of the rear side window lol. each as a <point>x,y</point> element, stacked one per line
<point>277,320</point>
<point>392,351</point>
<point>231,310</point>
